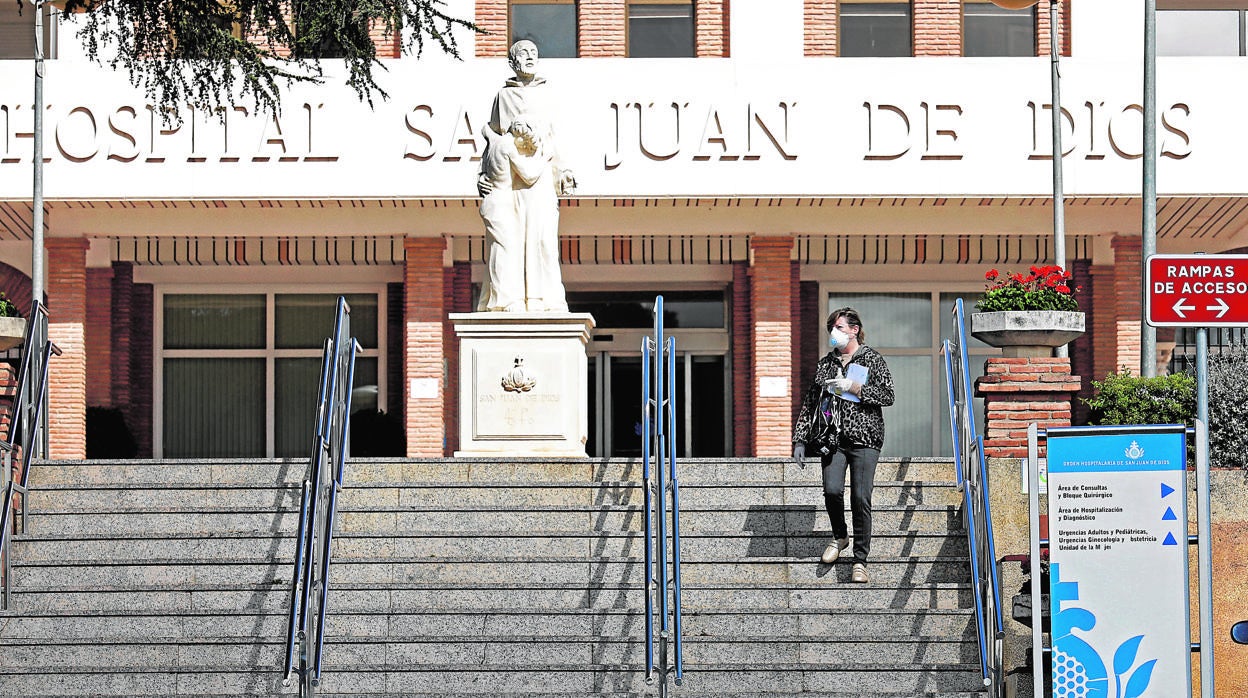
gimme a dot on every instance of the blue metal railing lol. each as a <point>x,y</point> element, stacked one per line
<point>658,436</point>
<point>331,444</point>
<point>972,473</point>
<point>26,433</point>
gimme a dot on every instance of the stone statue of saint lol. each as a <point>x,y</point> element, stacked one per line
<point>520,181</point>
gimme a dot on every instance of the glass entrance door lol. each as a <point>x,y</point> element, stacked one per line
<point>615,405</point>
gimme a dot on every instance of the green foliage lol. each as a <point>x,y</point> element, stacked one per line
<point>208,54</point>
<point>7,309</point>
<point>1126,399</point>
<point>1228,403</point>
<point>1044,288</point>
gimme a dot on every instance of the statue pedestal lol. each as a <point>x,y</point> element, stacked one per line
<point>523,386</point>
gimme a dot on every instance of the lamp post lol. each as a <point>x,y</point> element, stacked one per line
<point>36,268</point>
<point>1148,230</point>
<point>1055,81</point>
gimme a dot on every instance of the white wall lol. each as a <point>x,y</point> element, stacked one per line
<point>1107,29</point>
<point>765,30</point>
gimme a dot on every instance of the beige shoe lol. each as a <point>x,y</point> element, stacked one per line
<point>833,551</point>
<point>860,573</point>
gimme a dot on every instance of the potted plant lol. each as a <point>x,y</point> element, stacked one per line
<point>12,324</point>
<point>1028,315</point>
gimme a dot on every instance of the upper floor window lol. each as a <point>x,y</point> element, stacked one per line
<point>17,31</point>
<point>876,28</point>
<point>658,29</point>
<point>1201,32</point>
<point>988,30</point>
<point>550,24</point>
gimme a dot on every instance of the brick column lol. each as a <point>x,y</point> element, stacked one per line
<point>600,28</point>
<point>492,17</point>
<point>1128,301</point>
<point>120,320</point>
<point>937,27</point>
<point>771,302</point>
<point>142,365</point>
<point>819,28</point>
<point>99,337</point>
<point>423,358</point>
<point>1018,392</point>
<point>457,298</point>
<point>67,311</point>
<point>710,29</point>
<point>742,339</point>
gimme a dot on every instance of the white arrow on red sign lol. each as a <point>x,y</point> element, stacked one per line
<point>1179,308</point>
<point>1221,307</point>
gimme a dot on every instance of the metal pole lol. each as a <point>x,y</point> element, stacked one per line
<point>36,271</point>
<point>1204,541</point>
<point>1037,588</point>
<point>1059,195</point>
<point>1148,335</point>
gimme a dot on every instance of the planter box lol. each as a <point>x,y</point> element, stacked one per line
<point>1030,333</point>
<point>12,332</point>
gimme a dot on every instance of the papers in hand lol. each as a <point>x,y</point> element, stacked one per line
<point>858,374</point>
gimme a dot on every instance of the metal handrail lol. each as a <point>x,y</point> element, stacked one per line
<point>26,434</point>
<point>331,443</point>
<point>972,473</point>
<point>658,433</point>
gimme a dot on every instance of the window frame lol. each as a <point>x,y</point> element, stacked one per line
<point>693,24</point>
<point>576,23</point>
<point>270,353</point>
<point>1241,24</point>
<point>840,24</point>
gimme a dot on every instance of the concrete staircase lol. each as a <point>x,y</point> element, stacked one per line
<point>473,577</point>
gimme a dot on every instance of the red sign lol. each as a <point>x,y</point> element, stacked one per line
<point>1197,290</point>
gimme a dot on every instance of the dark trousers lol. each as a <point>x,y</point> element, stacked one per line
<point>860,462</point>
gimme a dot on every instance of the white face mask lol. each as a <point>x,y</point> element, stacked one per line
<point>837,339</point>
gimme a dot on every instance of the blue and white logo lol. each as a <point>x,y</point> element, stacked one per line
<point>1134,452</point>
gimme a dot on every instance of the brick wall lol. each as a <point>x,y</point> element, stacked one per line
<point>424,314</point>
<point>937,27</point>
<point>120,317</point>
<point>601,28</point>
<point>1082,350</point>
<point>710,21</point>
<point>394,350</point>
<point>819,28</point>
<point>1018,392</point>
<point>67,311</point>
<point>457,295</point>
<point>388,43</point>
<point>1128,302</point>
<point>99,336</point>
<point>742,341</point>
<point>771,291</point>
<point>492,18</point>
<point>806,337</point>
<point>800,330</point>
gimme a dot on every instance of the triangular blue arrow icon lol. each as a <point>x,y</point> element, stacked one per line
<point>1166,490</point>
<point>1169,540</point>
<point>1169,515</point>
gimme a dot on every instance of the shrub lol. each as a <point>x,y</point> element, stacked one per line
<point>1126,399</point>
<point>1228,400</point>
<point>376,434</point>
<point>7,309</point>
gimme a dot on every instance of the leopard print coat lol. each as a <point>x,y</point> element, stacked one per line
<point>859,423</point>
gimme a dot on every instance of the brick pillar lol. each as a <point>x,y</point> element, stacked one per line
<point>937,27</point>
<point>120,320</point>
<point>1018,392</point>
<point>710,29</point>
<point>492,17</point>
<point>819,28</point>
<point>1128,301</point>
<point>388,44</point>
<point>423,358</point>
<point>771,303</point>
<point>67,312</point>
<point>1083,349</point>
<point>600,28</point>
<point>742,339</point>
<point>142,359</point>
<point>806,337</point>
<point>1044,33</point>
<point>99,341</point>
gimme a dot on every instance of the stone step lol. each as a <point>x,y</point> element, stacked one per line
<point>497,546</point>
<point>691,471</point>
<point>821,597</point>
<point>155,519</point>
<point>584,569</point>
<point>449,679</point>
<point>131,496</point>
